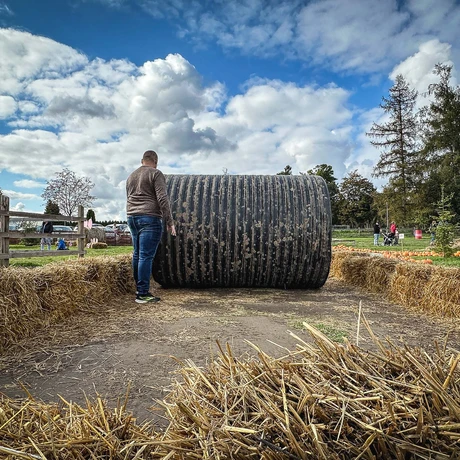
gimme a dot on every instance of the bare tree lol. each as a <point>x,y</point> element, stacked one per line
<point>69,191</point>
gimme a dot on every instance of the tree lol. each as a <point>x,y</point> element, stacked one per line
<point>327,173</point>
<point>441,137</point>
<point>287,171</point>
<point>445,229</point>
<point>51,208</point>
<point>397,139</point>
<point>91,215</point>
<point>69,191</point>
<point>357,200</point>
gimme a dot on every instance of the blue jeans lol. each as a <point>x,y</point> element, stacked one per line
<point>146,233</point>
<point>376,239</point>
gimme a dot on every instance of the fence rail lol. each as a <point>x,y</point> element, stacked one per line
<point>5,234</point>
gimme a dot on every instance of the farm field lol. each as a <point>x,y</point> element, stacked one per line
<point>123,344</point>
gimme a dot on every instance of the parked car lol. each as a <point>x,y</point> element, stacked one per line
<point>62,229</point>
<point>94,225</point>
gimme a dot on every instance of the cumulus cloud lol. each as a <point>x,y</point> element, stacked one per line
<point>19,207</point>
<point>27,183</point>
<point>26,56</point>
<point>14,195</point>
<point>97,117</point>
<point>7,106</point>
<point>418,68</point>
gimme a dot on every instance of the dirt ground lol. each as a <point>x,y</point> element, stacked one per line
<point>123,344</point>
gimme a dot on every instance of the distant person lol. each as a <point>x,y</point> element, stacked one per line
<point>47,227</point>
<point>392,229</point>
<point>432,229</point>
<point>376,233</point>
<point>147,205</point>
<point>61,246</point>
<point>396,235</point>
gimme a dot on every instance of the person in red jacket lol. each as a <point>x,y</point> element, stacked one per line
<point>393,228</point>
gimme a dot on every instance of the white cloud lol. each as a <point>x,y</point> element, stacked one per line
<point>418,68</point>
<point>7,106</point>
<point>19,207</point>
<point>27,183</point>
<point>14,195</point>
<point>97,117</point>
<point>359,36</point>
<point>26,56</point>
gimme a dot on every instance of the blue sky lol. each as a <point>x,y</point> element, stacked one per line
<point>247,85</point>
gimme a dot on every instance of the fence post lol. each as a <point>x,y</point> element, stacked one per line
<point>81,231</point>
<point>5,228</point>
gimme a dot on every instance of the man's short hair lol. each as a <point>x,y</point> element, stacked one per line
<point>150,156</point>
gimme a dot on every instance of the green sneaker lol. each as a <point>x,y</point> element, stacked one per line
<point>146,298</point>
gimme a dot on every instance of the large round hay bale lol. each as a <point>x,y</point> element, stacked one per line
<point>246,231</point>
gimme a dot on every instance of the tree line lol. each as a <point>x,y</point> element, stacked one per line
<point>419,155</point>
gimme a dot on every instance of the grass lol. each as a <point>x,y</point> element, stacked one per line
<point>39,261</point>
<point>351,238</point>
<point>409,243</point>
<point>331,332</point>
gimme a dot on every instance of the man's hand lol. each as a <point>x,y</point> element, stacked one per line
<point>172,230</point>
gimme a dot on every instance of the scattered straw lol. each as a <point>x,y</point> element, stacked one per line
<point>321,401</point>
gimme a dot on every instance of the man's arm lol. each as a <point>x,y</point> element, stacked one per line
<point>163,201</point>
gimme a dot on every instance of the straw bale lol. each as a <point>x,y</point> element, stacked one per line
<point>31,299</point>
<point>337,262</point>
<point>98,245</point>
<point>340,260</point>
<point>321,401</point>
<point>354,270</point>
<point>409,283</point>
<point>20,307</point>
<point>379,274</point>
<point>430,289</point>
<point>441,295</point>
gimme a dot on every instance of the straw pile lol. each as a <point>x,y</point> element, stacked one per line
<point>32,299</point>
<point>321,401</point>
<point>427,288</point>
<point>31,429</point>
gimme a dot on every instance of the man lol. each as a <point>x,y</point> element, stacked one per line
<point>47,227</point>
<point>376,234</point>
<point>147,206</point>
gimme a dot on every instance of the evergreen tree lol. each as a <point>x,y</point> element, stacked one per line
<point>51,208</point>
<point>441,138</point>
<point>397,139</point>
<point>445,229</point>
<point>357,200</point>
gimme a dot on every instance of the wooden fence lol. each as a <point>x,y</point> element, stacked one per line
<point>5,234</point>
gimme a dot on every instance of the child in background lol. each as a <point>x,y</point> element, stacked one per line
<point>61,245</point>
